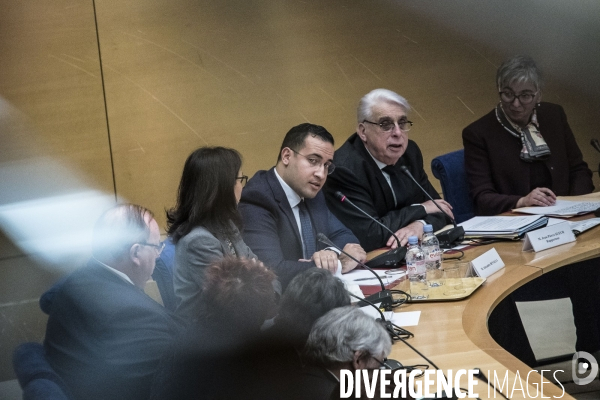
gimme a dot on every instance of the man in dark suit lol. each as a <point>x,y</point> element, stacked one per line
<point>368,173</point>
<point>283,209</point>
<point>104,335</point>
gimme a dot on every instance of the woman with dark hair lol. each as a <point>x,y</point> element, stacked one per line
<point>523,153</point>
<point>205,224</point>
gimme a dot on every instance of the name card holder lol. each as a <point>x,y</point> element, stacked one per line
<point>488,263</point>
<point>548,237</point>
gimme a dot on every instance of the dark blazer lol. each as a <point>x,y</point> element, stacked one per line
<point>271,231</point>
<point>105,336</point>
<point>497,176</point>
<point>358,177</point>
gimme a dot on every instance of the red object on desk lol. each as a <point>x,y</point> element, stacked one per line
<point>374,288</point>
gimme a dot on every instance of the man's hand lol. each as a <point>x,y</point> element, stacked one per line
<point>355,251</point>
<point>326,259</point>
<point>430,208</point>
<point>538,197</point>
<point>412,229</point>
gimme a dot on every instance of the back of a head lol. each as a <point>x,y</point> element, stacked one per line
<point>519,69</point>
<point>206,192</point>
<point>338,334</point>
<point>309,296</point>
<point>118,229</point>
<point>295,137</point>
<point>237,295</point>
<point>375,97</point>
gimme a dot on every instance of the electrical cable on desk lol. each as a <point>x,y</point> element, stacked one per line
<point>395,332</point>
<point>462,254</point>
<point>482,242</point>
<point>399,302</point>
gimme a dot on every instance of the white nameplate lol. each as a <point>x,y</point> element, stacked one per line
<point>488,263</point>
<point>548,237</point>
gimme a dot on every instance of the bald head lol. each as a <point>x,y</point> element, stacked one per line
<point>125,238</point>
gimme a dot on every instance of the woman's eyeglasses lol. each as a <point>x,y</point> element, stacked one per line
<point>243,179</point>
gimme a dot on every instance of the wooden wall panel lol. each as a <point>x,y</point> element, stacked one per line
<point>182,74</point>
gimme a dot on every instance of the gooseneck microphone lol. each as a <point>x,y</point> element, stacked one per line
<point>388,259</point>
<point>341,197</point>
<point>325,240</point>
<point>395,332</point>
<point>595,144</point>
<point>384,296</point>
<point>448,237</point>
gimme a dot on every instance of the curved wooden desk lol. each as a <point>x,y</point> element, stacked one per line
<point>454,335</point>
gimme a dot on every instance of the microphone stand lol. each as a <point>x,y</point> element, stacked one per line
<point>447,237</point>
<point>384,296</point>
<point>389,259</point>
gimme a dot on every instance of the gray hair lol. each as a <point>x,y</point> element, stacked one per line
<point>338,334</point>
<point>376,96</point>
<point>118,229</point>
<point>519,69</point>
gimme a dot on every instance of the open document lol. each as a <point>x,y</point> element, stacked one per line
<point>577,226</point>
<point>562,208</point>
<point>502,227</point>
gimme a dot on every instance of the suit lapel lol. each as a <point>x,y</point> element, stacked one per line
<point>284,204</point>
<point>384,188</point>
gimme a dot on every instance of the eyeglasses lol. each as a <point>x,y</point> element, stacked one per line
<point>524,98</point>
<point>316,162</point>
<point>388,125</point>
<point>158,247</point>
<point>243,179</point>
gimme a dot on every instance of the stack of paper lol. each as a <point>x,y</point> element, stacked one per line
<point>562,208</point>
<point>502,227</point>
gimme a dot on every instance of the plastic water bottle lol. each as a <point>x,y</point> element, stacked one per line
<point>417,270</point>
<point>433,256</point>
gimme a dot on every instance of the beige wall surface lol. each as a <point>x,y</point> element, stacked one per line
<point>180,74</point>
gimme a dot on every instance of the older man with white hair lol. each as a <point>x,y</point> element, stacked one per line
<point>369,172</point>
<point>343,339</point>
<point>105,336</point>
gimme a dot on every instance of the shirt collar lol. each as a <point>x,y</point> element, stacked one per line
<point>292,196</point>
<point>379,163</point>
<point>116,272</point>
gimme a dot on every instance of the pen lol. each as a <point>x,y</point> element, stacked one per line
<point>368,279</point>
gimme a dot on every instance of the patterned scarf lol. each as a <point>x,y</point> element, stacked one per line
<point>534,146</point>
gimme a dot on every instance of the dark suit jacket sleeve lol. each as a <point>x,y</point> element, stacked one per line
<point>261,235</point>
<point>580,177</point>
<point>370,234</point>
<point>480,176</point>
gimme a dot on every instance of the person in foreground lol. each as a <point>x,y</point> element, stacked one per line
<point>104,335</point>
<point>368,171</point>
<point>284,210</point>
<point>344,338</point>
<point>237,297</point>
<point>523,153</point>
<point>309,296</point>
<point>205,223</point>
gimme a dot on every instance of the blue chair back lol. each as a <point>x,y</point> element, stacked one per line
<point>163,275</point>
<point>35,374</point>
<point>450,170</point>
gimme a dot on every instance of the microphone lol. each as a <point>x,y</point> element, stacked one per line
<point>392,329</point>
<point>391,258</point>
<point>595,144</point>
<point>325,240</point>
<point>448,237</point>
<point>384,297</point>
